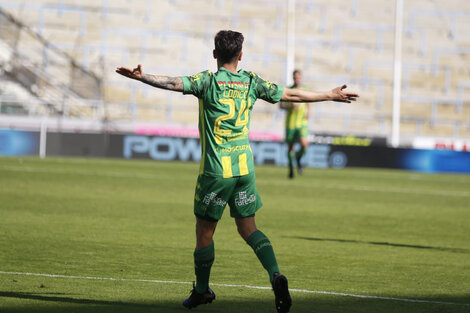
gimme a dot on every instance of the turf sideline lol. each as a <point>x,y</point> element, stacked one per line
<point>237,286</point>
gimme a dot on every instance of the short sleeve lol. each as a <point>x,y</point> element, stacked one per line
<point>196,84</point>
<point>268,91</point>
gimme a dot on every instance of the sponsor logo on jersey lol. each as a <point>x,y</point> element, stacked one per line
<point>234,149</point>
<point>234,84</point>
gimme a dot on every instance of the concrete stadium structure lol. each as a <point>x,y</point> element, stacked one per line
<point>339,41</point>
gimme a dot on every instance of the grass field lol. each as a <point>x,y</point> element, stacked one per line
<point>338,235</point>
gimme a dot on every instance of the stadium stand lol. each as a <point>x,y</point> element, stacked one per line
<point>337,41</point>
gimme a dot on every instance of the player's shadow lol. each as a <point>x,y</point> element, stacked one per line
<point>318,303</point>
<point>55,297</point>
<point>382,243</point>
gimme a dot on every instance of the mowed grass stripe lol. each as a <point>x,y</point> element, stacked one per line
<point>364,188</point>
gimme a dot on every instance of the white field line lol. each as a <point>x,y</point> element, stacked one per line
<point>237,286</point>
<point>431,192</point>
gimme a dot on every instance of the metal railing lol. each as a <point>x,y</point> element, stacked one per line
<point>63,85</point>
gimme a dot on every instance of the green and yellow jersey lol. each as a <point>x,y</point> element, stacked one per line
<point>297,117</point>
<point>226,100</point>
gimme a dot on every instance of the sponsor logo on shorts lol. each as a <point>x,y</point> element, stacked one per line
<point>243,199</point>
<point>212,197</point>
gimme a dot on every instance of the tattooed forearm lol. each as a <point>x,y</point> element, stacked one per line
<point>164,82</point>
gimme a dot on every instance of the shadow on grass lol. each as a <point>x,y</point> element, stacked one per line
<point>52,303</point>
<point>52,297</point>
<point>379,243</point>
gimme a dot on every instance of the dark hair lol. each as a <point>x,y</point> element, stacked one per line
<point>228,45</point>
<point>297,71</point>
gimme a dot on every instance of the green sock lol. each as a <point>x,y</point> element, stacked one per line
<point>203,259</point>
<point>299,154</point>
<point>290,156</point>
<point>264,251</point>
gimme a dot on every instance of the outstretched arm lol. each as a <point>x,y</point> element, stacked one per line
<point>337,94</point>
<point>163,82</point>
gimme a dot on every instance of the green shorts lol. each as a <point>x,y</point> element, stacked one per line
<point>213,193</point>
<point>294,134</point>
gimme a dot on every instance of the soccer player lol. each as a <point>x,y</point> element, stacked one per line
<point>296,126</point>
<point>227,173</point>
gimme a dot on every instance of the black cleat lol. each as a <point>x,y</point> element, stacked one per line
<point>198,298</point>
<point>281,293</point>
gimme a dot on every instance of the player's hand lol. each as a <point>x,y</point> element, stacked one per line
<point>343,96</point>
<point>131,73</point>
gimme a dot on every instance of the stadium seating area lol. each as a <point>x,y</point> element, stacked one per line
<point>340,41</point>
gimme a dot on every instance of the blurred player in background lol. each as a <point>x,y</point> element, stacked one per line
<point>296,126</point>
<point>227,173</point>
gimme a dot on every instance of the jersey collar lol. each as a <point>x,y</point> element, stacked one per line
<point>230,72</point>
